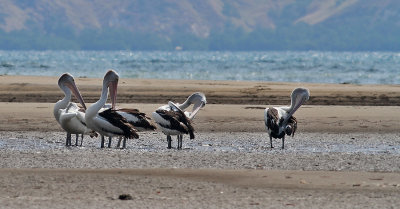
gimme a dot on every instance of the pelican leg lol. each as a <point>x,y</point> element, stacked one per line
<point>180,141</point>
<point>81,140</point>
<point>102,142</point>
<point>76,139</point>
<point>124,143</point>
<point>109,141</point>
<point>283,142</point>
<point>270,141</point>
<point>68,141</point>
<point>169,140</point>
<point>119,142</point>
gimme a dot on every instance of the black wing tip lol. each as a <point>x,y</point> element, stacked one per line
<point>134,135</point>
<point>150,124</point>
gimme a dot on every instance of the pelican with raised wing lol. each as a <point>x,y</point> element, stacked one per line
<point>107,122</point>
<point>280,120</point>
<point>67,113</point>
<point>172,119</point>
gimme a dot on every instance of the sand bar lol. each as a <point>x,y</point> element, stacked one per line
<point>227,118</point>
<point>45,89</point>
<point>345,153</point>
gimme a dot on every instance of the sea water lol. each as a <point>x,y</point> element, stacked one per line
<point>290,66</point>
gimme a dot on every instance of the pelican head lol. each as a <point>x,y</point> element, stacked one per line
<point>289,130</point>
<point>110,81</point>
<point>67,83</point>
<point>198,99</point>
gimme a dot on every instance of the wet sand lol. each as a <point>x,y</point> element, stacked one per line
<point>186,188</point>
<point>345,154</point>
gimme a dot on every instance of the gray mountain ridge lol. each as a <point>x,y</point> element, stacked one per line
<point>200,25</point>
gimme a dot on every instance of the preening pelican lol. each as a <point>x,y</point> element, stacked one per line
<point>68,114</point>
<point>173,121</point>
<point>280,121</point>
<point>108,122</point>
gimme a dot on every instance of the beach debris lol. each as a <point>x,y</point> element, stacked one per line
<point>376,179</point>
<point>303,181</point>
<point>125,197</point>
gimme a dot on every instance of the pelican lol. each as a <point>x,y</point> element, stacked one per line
<point>280,120</point>
<point>107,122</point>
<point>173,120</point>
<point>68,114</point>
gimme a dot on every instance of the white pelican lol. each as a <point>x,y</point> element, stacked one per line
<point>68,114</point>
<point>173,121</point>
<point>108,122</point>
<point>280,121</point>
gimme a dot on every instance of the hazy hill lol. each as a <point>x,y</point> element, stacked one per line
<point>200,25</point>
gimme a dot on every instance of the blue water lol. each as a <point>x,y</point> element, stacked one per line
<point>315,67</point>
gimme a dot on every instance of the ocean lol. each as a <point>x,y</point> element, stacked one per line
<point>290,66</point>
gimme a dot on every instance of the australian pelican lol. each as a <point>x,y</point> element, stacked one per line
<point>173,120</point>
<point>106,121</point>
<point>68,114</point>
<point>280,120</point>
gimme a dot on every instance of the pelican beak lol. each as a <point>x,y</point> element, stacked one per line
<point>113,93</point>
<point>196,109</point>
<point>299,101</point>
<point>75,91</point>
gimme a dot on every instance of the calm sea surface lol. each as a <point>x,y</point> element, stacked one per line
<point>315,67</point>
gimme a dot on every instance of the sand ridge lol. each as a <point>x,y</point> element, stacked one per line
<point>227,118</point>
<point>45,89</point>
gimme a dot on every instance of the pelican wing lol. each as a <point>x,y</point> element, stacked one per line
<point>114,122</point>
<point>137,118</point>
<point>272,119</point>
<point>293,123</point>
<point>178,121</point>
<point>65,116</point>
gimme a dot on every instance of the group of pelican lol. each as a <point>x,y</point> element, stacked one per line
<point>172,119</point>
<point>110,121</point>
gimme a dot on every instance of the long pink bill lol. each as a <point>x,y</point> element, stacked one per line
<point>113,93</point>
<point>77,94</point>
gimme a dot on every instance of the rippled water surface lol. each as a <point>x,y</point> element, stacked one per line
<point>317,67</point>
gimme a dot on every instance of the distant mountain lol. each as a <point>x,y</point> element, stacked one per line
<point>200,25</point>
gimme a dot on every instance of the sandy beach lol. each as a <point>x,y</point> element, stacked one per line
<point>344,155</point>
